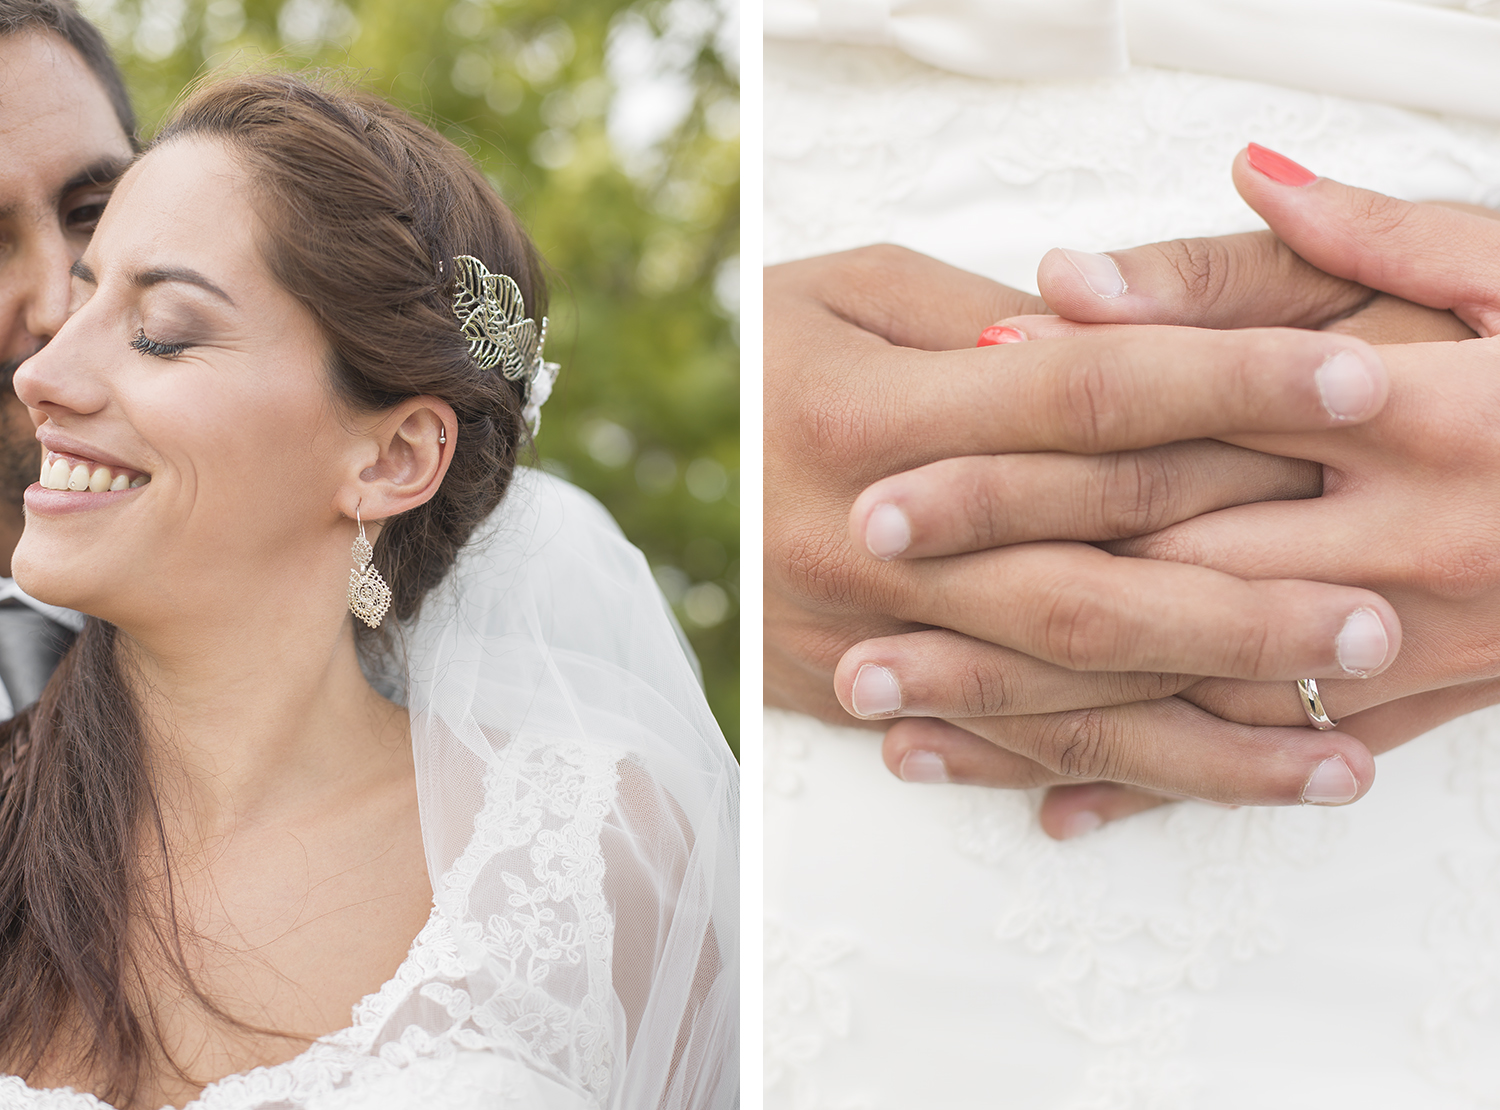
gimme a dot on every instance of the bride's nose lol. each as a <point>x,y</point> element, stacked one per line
<point>63,377</point>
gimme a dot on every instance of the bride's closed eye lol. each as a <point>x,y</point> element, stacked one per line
<point>148,346</point>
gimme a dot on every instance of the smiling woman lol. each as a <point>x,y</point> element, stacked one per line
<point>217,839</point>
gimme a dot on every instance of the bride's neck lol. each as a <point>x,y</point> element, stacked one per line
<point>253,718</point>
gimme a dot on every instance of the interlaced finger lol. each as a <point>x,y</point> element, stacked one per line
<point>1120,388</point>
<point>938,673</point>
<point>976,502</point>
<point>1084,609</point>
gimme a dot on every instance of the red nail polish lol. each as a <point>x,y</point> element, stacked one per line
<point>995,335</point>
<point>1278,167</point>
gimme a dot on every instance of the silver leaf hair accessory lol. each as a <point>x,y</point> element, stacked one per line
<point>492,314</point>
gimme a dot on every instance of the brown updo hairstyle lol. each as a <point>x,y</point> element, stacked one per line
<point>363,210</point>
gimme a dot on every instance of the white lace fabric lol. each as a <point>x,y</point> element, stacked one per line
<point>928,945</point>
<point>579,810</point>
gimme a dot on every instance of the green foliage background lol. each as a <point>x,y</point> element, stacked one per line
<point>641,238</point>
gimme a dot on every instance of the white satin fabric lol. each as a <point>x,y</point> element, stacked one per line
<point>579,808</point>
<point>927,946</point>
<point>1429,54</point>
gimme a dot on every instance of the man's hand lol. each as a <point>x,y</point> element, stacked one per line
<point>864,379</point>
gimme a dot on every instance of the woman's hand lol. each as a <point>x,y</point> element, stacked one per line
<point>1403,510</point>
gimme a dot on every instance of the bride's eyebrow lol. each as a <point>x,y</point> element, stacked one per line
<point>147,278</point>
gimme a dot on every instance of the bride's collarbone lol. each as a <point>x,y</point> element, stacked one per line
<point>284,927</point>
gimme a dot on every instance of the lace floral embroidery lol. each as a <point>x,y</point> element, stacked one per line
<point>806,1006</point>
<point>524,972</point>
<point>1121,971</point>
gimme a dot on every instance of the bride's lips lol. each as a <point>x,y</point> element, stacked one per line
<point>74,478</point>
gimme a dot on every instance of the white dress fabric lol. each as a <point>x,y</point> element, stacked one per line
<point>579,809</point>
<point>928,946</point>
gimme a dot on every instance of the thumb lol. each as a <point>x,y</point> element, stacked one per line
<point>1432,254</point>
<point>1249,280</point>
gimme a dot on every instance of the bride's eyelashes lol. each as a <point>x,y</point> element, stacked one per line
<point>148,346</point>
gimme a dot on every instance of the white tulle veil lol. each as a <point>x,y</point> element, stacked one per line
<point>579,810</point>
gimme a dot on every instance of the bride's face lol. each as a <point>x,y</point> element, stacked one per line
<point>187,397</point>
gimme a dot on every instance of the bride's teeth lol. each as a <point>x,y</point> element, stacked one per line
<point>61,473</point>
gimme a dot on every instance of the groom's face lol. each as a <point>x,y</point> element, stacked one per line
<point>61,147</point>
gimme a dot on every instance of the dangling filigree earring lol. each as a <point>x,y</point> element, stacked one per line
<point>369,596</point>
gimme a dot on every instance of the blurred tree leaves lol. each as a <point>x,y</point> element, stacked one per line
<point>612,128</point>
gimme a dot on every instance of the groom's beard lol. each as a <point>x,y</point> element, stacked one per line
<point>20,457</point>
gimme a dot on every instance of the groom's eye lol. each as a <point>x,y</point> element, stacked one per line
<point>84,218</point>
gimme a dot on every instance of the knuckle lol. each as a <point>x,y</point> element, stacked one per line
<point>1453,572</point>
<point>1095,414</point>
<point>985,514</point>
<point>1471,658</point>
<point>1201,267</point>
<point>881,257</point>
<point>1081,747</point>
<point>1077,631</point>
<point>1138,491</point>
<point>1146,685</point>
<point>1380,214</point>
<point>830,430</point>
<point>1253,655</point>
<point>982,690</point>
<point>815,565</point>
<point>871,270</point>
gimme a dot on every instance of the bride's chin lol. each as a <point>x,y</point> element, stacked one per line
<point>70,583</point>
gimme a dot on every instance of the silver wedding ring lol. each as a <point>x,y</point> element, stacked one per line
<point>1312,705</point>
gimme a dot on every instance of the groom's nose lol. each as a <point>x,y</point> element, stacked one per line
<point>34,293</point>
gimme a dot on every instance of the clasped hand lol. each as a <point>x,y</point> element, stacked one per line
<point>1040,542</point>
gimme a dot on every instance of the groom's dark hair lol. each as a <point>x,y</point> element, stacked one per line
<point>63,19</point>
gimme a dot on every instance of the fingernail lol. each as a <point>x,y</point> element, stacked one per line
<point>1080,824</point>
<point>1278,167</point>
<point>1346,385</point>
<point>923,767</point>
<point>1330,784</point>
<point>996,334</point>
<point>1099,272</point>
<point>887,532</point>
<point>876,692</point>
<point>1362,644</point>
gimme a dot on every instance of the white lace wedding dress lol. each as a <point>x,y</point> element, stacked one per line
<point>927,946</point>
<point>579,810</point>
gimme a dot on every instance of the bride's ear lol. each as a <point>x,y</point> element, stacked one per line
<point>401,460</point>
